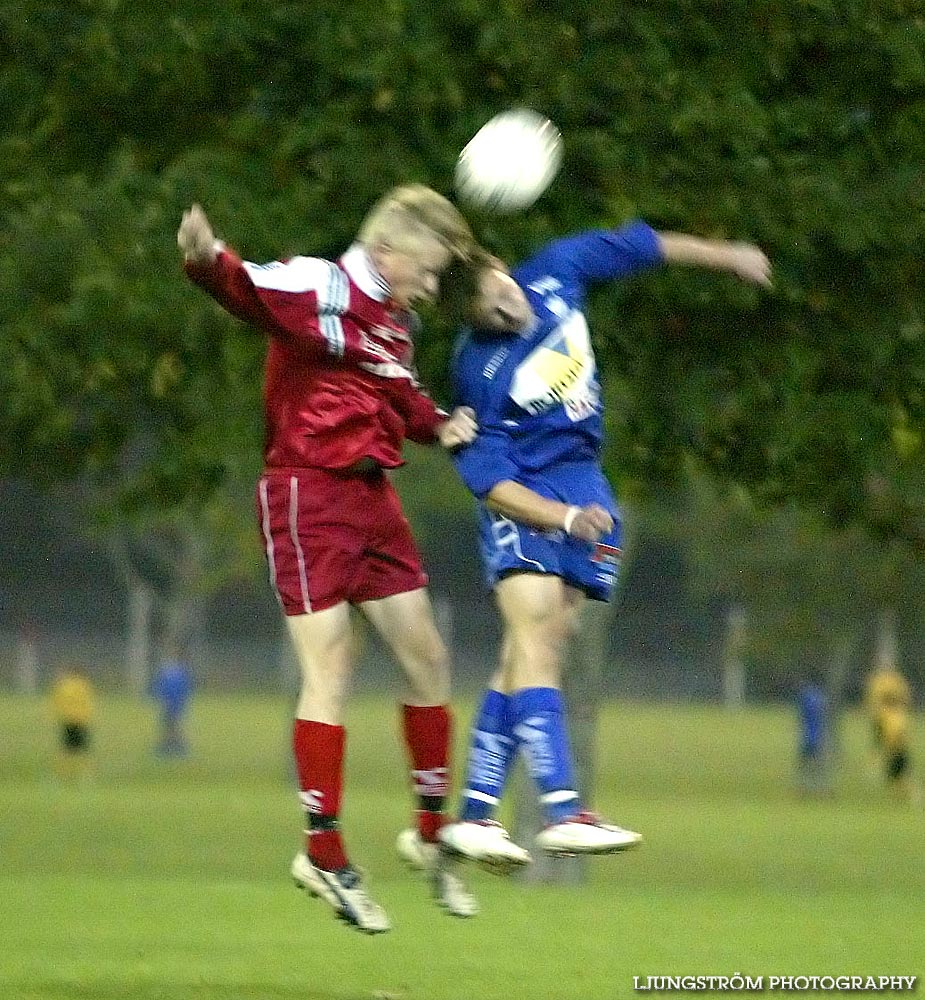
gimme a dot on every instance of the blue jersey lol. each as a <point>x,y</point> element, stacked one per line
<point>538,404</point>
<point>536,395</point>
<point>813,710</point>
<point>172,686</point>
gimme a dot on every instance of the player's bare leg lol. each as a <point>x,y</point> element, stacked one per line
<point>406,623</point>
<point>324,644</point>
<point>540,613</point>
<point>407,626</point>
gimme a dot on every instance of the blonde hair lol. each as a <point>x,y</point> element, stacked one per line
<point>408,214</point>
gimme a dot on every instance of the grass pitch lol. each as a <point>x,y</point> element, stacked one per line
<point>169,880</point>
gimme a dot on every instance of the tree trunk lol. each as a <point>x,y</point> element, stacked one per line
<point>182,597</point>
<point>839,673</point>
<point>182,620</point>
<point>27,662</point>
<point>138,638</point>
<point>733,661</point>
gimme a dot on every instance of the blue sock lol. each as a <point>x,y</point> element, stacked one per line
<point>539,728</point>
<point>491,751</point>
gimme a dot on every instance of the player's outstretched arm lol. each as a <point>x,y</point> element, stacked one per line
<point>510,499</point>
<point>195,237</point>
<point>250,292</point>
<point>744,260</point>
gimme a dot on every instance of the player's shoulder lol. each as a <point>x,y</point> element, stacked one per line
<point>552,268</point>
<point>559,257</point>
<point>543,265</point>
<point>298,262</point>
<point>298,274</point>
<point>321,266</point>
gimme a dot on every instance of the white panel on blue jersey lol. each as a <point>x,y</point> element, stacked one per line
<point>559,371</point>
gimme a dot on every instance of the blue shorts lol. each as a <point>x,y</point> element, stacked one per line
<point>509,547</point>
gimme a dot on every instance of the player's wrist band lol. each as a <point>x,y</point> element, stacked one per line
<point>569,519</point>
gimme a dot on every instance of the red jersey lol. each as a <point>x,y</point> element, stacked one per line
<point>339,382</point>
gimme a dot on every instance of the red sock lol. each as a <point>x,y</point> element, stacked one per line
<point>319,760</point>
<point>427,734</point>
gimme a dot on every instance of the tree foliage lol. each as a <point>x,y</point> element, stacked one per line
<point>798,126</point>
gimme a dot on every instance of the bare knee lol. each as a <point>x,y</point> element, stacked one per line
<point>537,626</point>
<point>324,647</point>
<point>323,695</point>
<point>429,674</point>
<point>536,646</point>
<point>406,623</point>
<point>535,613</point>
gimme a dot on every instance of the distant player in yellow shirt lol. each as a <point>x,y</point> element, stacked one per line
<point>888,699</point>
<point>73,705</point>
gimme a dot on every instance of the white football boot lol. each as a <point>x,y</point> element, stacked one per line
<point>585,833</point>
<point>484,841</point>
<point>343,891</point>
<point>447,888</point>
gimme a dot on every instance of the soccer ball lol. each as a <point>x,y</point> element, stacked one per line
<point>509,162</point>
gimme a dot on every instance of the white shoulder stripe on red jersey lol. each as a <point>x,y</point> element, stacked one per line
<point>300,274</point>
<point>334,304</point>
<point>333,331</point>
<point>310,275</point>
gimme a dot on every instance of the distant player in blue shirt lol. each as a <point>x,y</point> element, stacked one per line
<point>811,703</point>
<point>549,524</point>
<point>172,687</point>
<point>813,709</point>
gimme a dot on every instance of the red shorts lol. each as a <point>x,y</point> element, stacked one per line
<point>333,537</point>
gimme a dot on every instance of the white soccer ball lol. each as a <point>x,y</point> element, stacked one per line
<point>509,162</point>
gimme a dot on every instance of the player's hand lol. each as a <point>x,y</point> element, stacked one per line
<point>195,237</point>
<point>751,265</point>
<point>590,523</point>
<point>459,429</point>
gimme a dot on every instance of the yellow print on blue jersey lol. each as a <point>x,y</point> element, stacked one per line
<point>560,371</point>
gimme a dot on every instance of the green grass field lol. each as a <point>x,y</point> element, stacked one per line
<point>166,881</point>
